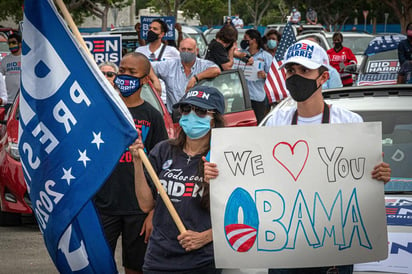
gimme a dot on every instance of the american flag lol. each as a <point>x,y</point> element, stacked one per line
<point>275,86</point>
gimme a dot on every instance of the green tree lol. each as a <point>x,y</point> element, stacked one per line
<point>211,12</point>
<point>11,10</point>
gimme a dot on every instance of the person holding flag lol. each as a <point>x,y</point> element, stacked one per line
<point>179,166</point>
<point>116,202</point>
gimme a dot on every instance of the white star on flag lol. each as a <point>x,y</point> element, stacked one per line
<point>97,139</point>
<point>68,175</point>
<point>83,157</point>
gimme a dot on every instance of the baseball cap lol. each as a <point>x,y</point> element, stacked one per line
<point>204,97</point>
<point>306,53</point>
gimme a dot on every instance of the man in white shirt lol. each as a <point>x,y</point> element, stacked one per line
<point>306,65</point>
<point>237,22</point>
<point>157,51</point>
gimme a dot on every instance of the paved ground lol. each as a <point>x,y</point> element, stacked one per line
<point>22,250</point>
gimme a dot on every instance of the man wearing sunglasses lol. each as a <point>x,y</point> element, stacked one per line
<point>182,74</point>
<point>10,68</point>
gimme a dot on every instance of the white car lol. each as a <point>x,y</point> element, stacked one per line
<point>357,42</point>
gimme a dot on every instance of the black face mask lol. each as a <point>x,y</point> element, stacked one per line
<point>338,45</point>
<point>244,44</point>
<point>152,36</point>
<point>301,88</point>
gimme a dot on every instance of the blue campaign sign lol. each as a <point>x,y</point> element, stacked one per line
<point>169,20</point>
<point>399,211</point>
<point>105,48</point>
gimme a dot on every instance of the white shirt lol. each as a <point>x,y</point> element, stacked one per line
<point>3,91</point>
<point>338,115</point>
<point>169,52</point>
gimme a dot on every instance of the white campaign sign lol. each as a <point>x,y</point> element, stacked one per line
<point>297,196</point>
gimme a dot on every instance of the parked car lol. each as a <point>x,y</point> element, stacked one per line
<point>304,28</point>
<point>391,105</point>
<point>14,199</point>
<point>380,64</point>
<point>357,42</point>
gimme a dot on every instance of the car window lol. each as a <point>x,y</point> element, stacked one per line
<point>148,95</point>
<point>382,62</point>
<point>396,146</point>
<point>232,87</point>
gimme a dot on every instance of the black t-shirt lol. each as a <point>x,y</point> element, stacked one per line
<point>217,53</point>
<point>117,196</point>
<point>178,173</point>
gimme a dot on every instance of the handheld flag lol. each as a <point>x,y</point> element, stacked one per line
<point>275,86</point>
<point>73,129</point>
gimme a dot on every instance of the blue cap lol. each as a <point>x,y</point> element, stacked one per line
<point>204,97</point>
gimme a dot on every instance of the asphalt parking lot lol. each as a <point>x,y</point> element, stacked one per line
<point>22,250</point>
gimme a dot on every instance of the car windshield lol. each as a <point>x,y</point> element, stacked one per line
<point>358,45</point>
<point>200,41</point>
<point>396,146</point>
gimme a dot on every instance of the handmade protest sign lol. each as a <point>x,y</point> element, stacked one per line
<point>297,196</point>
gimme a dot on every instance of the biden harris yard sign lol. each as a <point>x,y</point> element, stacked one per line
<point>73,128</point>
<point>297,196</point>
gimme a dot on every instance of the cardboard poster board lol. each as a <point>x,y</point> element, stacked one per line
<point>297,196</point>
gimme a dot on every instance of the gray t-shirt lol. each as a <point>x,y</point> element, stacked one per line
<point>10,68</point>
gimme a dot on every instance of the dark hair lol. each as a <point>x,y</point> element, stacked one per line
<point>15,36</point>
<point>337,34</point>
<point>228,34</point>
<point>254,34</point>
<point>408,25</point>
<point>146,63</point>
<point>275,32</point>
<point>163,25</point>
<point>179,143</point>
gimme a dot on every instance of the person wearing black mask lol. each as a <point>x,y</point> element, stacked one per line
<point>405,46</point>
<point>155,50</point>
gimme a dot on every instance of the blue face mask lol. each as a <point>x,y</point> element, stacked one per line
<point>194,126</point>
<point>127,84</point>
<point>272,44</point>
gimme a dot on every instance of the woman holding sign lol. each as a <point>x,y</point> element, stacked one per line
<point>252,45</point>
<point>179,164</point>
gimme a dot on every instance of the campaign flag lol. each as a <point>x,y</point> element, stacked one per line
<point>384,43</point>
<point>170,21</point>
<point>275,86</point>
<point>73,128</point>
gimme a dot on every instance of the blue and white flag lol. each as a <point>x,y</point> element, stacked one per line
<point>73,130</point>
<point>384,43</point>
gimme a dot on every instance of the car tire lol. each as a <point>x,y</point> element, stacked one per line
<point>9,219</point>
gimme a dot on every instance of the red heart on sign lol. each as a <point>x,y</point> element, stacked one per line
<point>292,158</point>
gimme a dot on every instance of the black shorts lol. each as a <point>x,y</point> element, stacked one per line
<point>133,245</point>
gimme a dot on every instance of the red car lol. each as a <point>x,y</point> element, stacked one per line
<point>14,199</point>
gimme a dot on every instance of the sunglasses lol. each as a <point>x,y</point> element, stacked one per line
<point>109,73</point>
<point>201,112</point>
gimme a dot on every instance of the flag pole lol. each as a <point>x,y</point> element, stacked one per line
<point>68,18</point>
<point>142,155</point>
